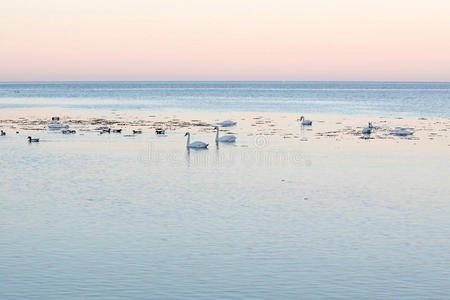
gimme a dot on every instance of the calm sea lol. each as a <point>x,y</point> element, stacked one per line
<point>109,217</point>
<point>90,216</point>
<point>356,98</point>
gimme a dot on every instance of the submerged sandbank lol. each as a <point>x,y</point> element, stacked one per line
<point>429,133</point>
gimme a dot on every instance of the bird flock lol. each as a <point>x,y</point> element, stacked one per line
<point>228,138</point>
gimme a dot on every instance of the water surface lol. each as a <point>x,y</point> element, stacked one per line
<point>356,98</point>
<point>110,217</point>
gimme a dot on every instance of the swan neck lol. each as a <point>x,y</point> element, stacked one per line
<point>188,139</point>
<point>217,134</point>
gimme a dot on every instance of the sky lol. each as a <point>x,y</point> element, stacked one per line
<point>381,40</point>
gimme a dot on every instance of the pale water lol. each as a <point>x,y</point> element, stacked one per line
<point>112,217</point>
<point>357,98</point>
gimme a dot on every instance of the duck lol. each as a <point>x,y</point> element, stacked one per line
<point>305,122</point>
<point>137,131</point>
<point>31,140</point>
<point>117,130</point>
<point>2,133</point>
<point>55,118</point>
<point>68,131</point>
<point>227,123</point>
<point>224,139</point>
<point>105,130</point>
<point>402,132</point>
<point>160,131</point>
<point>367,130</point>
<point>197,145</point>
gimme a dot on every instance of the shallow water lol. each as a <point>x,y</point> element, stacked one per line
<point>356,98</point>
<point>114,217</point>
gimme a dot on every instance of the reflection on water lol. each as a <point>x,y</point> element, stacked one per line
<point>221,156</point>
<point>113,217</point>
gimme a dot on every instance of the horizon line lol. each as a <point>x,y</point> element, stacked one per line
<point>212,81</point>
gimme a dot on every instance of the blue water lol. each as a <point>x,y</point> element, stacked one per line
<point>110,217</point>
<point>356,98</point>
<point>90,216</point>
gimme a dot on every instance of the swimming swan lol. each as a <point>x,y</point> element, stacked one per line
<point>226,123</point>
<point>224,139</point>
<point>402,133</point>
<point>305,122</point>
<point>198,145</point>
<point>57,126</point>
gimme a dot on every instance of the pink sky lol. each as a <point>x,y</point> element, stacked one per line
<point>225,40</point>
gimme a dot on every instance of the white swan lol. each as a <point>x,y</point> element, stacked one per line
<point>224,139</point>
<point>305,122</point>
<point>198,145</point>
<point>226,123</point>
<point>57,126</point>
<point>367,130</point>
<point>402,132</point>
